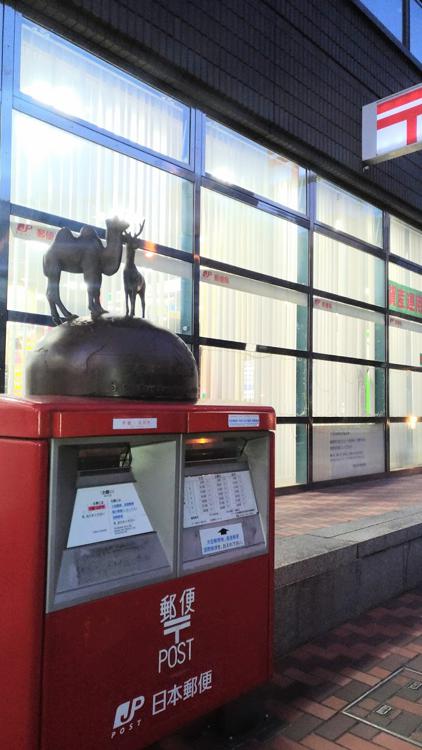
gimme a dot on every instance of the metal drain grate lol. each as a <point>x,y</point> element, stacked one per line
<point>393,706</point>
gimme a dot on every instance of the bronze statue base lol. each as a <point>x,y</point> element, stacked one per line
<point>113,356</point>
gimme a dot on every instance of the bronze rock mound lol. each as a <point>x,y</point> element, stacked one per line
<point>113,356</point>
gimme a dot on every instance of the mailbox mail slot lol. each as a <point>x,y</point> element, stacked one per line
<point>139,540</point>
<point>225,505</point>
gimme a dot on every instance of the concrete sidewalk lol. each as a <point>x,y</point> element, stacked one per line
<point>304,512</point>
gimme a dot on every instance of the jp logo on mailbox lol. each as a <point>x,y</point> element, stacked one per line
<point>126,711</point>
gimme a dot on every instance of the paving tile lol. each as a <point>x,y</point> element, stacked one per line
<point>357,674</point>
<point>405,724</point>
<point>351,691</point>
<point>301,727</point>
<point>364,731</point>
<point>282,743</point>
<point>314,742</point>
<point>415,663</point>
<point>355,743</point>
<point>393,662</point>
<point>334,702</point>
<point>314,708</point>
<point>336,726</point>
<point>391,743</point>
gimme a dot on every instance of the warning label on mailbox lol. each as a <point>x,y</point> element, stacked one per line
<point>107,512</point>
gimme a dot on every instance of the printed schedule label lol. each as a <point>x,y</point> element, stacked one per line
<point>217,497</point>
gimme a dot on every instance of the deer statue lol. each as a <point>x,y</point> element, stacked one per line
<point>134,282</point>
<point>84,254</point>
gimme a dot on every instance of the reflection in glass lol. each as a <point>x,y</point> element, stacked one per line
<point>346,390</point>
<point>64,77</point>
<point>341,269</point>
<point>348,331</point>
<point>21,339</point>
<point>233,232</point>
<point>405,445</point>
<point>168,281</point>
<point>405,342</point>
<point>405,393</point>
<point>405,240</point>
<point>404,277</point>
<point>233,159</point>
<point>238,376</point>
<point>70,177</point>
<point>251,312</point>
<point>346,213</point>
<point>389,12</point>
<point>416,28</point>
<point>290,455</point>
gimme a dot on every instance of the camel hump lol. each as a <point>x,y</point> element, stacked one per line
<point>64,235</point>
<point>88,233</point>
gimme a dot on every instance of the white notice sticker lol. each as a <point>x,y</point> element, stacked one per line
<point>221,539</point>
<point>243,420</point>
<point>147,423</point>
<point>111,511</point>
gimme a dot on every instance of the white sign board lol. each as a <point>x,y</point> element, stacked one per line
<point>347,451</point>
<point>217,497</point>
<point>107,512</point>
<point>392,126</point>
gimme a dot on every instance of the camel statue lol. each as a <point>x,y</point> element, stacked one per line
<point>134,282</point>
<point>83,254</point>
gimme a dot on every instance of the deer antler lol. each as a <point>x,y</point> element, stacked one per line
<point>141,226</point>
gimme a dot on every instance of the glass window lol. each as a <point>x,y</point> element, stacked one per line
<point>21,339</point>
<point>347,450</point>
<point>389,13</point>
<point>348,331</point>
<point>405,342</point>
<point>341,269</point>
<point>231,158</point>
<point>405,393</point>
<point>405,240</point>
<point>290,456</point>
<point>232,376</point>
<point>346,213</point>
<point>344,390</point>
<point>239,309</point>
<point>62,174</point>
<point>416,28</point>
<point>64,77</point>
<point>168,288</point>
<point>233,232</point>
<point>405,445</point>
<point>404,291</point>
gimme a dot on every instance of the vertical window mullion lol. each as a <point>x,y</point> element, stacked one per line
<point>386,245</point>
<point>5,172</point>
<point>311,203</point>
<point>198,132</point>
<point>406,24</point>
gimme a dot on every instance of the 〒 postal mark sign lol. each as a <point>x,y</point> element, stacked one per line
<point>392,126</point>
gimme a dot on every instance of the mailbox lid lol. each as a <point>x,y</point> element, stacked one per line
<point>92,416</point>
<point>70,416</point>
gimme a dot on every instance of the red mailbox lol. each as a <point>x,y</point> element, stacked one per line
<point>137,560</point>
